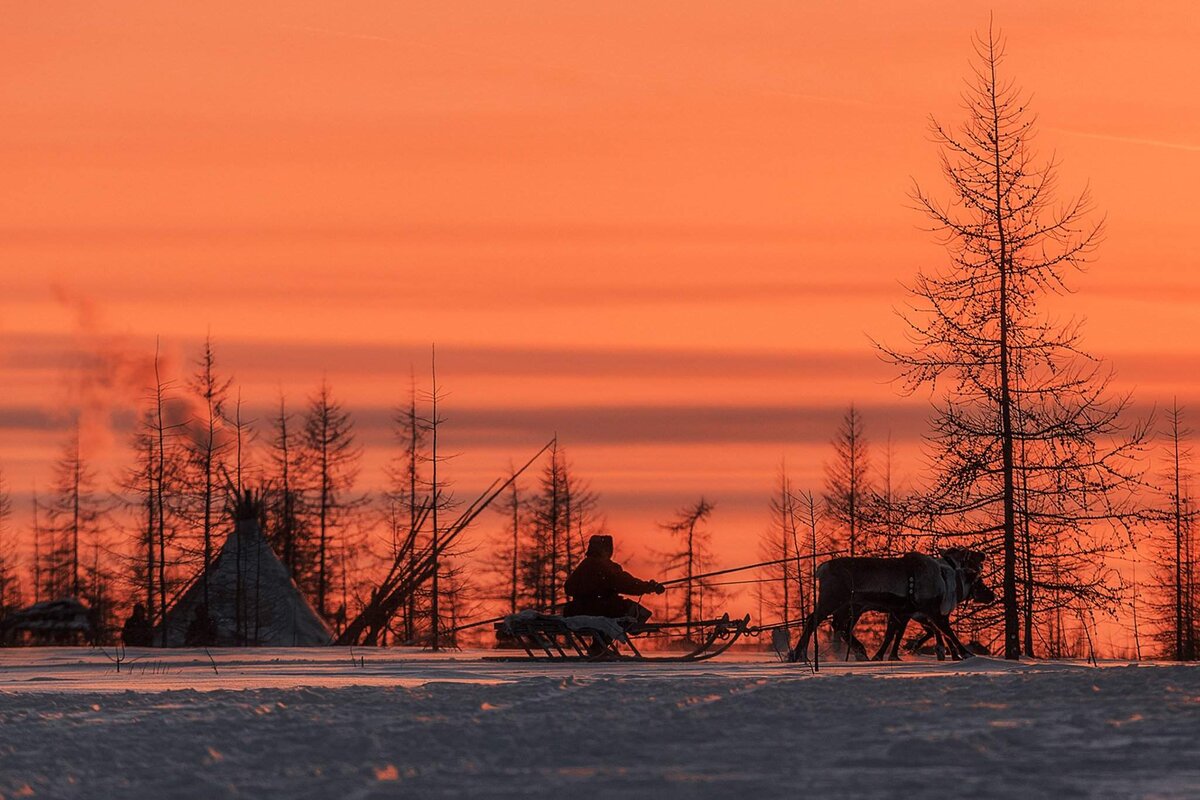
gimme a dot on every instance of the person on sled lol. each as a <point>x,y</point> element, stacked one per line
<point>596,585</point>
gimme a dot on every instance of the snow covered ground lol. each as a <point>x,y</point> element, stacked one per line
<point>314,724</point>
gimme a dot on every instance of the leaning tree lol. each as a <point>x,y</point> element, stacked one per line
<point>1031,456</point>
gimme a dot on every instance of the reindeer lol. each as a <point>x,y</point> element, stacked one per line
<point>962,575</point>
<point>910,585</point>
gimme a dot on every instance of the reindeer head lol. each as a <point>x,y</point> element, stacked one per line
<point>969,566</point>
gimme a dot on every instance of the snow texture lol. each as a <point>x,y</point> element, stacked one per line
<point>326,722</point>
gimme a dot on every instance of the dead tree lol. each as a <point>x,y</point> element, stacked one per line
<point>887,509</point>
<point>1025,429</point>
<point>332,456</point>
<point>238,506</point>
<point>848,481</point>
<point>692,558</point>
<point>37,549</point>
<point>515,556</point>
<point>288,512</point>
<point>166,482</point>
<point>553,519</point>
<point>506,566</point>
<point>783,590</point>
<point>75,515</point>
<point>1176,553</point>
<point>406,497</point>
<point>460,600</point>
<point>441,500</point>
<point>560,517</point>
<point>137,485</point>
<point>206,447</point>
<point>10,584</point>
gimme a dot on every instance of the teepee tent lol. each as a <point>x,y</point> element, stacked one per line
<point>251,598</point>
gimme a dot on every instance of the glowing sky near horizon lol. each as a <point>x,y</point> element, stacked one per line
<point>664,232</point>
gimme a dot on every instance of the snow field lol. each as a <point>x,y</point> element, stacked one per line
<point>737,728</point>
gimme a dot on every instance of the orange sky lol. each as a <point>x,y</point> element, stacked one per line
<point>663,230</point>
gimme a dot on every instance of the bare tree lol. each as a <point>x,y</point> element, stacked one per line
<point>38,549</point>
<point>440,500</point>
<point>357,565</point>
<point>167,482</point>
<point>693,557</point>
<point>783,590</point>
<point>207,447</point>
<point>75,515</point>
<point>561,514</point>
<point>507,563</point>
<point>811,544</point>
<point>405,499</point>
<point>79,556</point>
<point>1176,605</point>
<point>1133,607</point>
<point>137,493</point>
<point>848,481</point>
<point>887,514</point>
<point>515,556</point>
<point>99,586</point>
<point>1025,431</point>
<point>332,455</point>
<point>459,599</point>
<point>553,520</point>
<point>247,628</point>
<point>288,530</point>
<point>10,584</point>
<point>243,434</point>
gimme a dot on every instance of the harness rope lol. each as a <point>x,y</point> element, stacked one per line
<point>677,581</point>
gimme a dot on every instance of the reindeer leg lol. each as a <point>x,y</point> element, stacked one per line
<point>801,643</point>
<point>801,648</point>
<point>956,643</point>
<point>918,643</point>
<point>824,608</point>
<point>840,622</point>
<point>901,628</point>
<point>933,631</point>
<point>844,621</point>
<point>888,634</point>
<point>895,629</point>
<point>958,651</point>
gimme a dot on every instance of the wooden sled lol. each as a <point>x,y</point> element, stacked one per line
<point>546,637</point>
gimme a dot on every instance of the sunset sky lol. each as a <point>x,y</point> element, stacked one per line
<point>664,231</point>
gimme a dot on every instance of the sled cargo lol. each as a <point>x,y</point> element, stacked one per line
<point>549,637</point>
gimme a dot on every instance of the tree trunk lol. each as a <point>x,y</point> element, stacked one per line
<point>435,622</point>
<point>1012,631</point>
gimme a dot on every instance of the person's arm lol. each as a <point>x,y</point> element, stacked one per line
<point>625,583</point>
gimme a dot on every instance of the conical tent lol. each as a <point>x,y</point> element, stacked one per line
<point>251,598</point>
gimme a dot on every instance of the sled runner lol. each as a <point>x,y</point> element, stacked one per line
<point>548,637</point>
